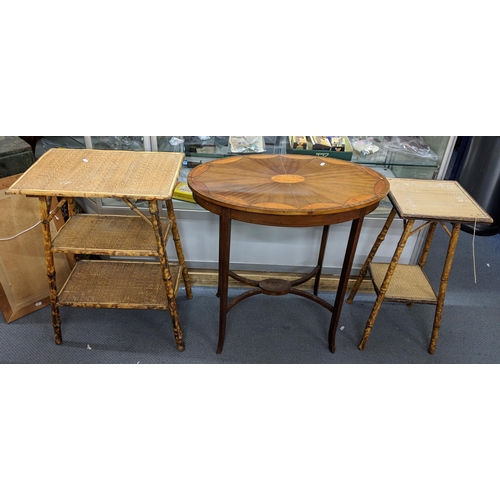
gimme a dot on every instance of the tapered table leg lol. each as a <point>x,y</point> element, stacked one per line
<point>224,251</point>
<point>324,239</point>
<point>51,270</point>
<point>344,279</point>
<point>373,251</point>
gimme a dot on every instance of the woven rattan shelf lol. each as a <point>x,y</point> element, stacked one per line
<point>432,202</point>
<point>408,283</point>
<point>109,235</point>
<point>130,176</point>
<point>117,284</point>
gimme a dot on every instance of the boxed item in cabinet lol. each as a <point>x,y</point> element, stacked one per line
<point>182,192</point>
<point>330,146</point>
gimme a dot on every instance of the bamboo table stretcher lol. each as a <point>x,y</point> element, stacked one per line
<point>432,202</point>
<point>132,177</point>
<point>290,191</point>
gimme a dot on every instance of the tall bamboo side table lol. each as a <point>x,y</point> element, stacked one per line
<point>433,202</point>
<point>131,177</point>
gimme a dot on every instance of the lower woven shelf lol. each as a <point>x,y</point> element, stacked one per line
<point>117,284</point>
<point>408,283</point>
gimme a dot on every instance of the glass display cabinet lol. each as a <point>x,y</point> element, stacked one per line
<point>424,157</point>
<point>203,147</point>
<point>263,248</point>
<point>126,143</point>
<point>399,156</point>
<point>71,142</point>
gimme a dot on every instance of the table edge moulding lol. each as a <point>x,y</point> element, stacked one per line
<point>128,175</point>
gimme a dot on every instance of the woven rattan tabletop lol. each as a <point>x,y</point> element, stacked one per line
<point>436,200</point>
<point>101,174</point>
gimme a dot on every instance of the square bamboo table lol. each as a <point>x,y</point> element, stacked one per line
<point>127,175</point>
<point>434,202</point>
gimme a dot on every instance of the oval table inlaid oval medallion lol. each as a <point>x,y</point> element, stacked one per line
<point>288,178</point>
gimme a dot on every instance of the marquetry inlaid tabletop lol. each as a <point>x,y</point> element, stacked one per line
<point>287,184</point>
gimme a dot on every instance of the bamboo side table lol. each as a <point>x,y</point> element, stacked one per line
<point>291,191</point>
<point>131,177</point>
<point>433,202</point>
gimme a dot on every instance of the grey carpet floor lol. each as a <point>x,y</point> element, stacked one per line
<point>287,329</point>
<point>283,416</point>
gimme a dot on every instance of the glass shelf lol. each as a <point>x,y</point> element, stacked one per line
<point>49,142</point>
<point>216,146</point>
<point>207,147</point>
<point>420,152</point>
<point>404,151</point>
<point>126,143</point>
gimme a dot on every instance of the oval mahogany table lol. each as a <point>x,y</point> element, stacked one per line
<point>292,191</point>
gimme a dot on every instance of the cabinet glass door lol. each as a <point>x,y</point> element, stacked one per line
<point>220,146</point>
<point>127,143</point>
<point>49,142</point>
<point>401,156</point>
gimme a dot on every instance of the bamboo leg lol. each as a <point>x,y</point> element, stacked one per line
<point>72,258</point>
<point>51,270</point>
<point>178,247</point>
<point>224,252</point>
<point>71,207</point>
<point>324,239</point>
<point>385,283</point>
<point>376,245</point>
<point>427,245</point>
<point>167,277</point>
<point>443,285</point>
<point>344,279</point>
